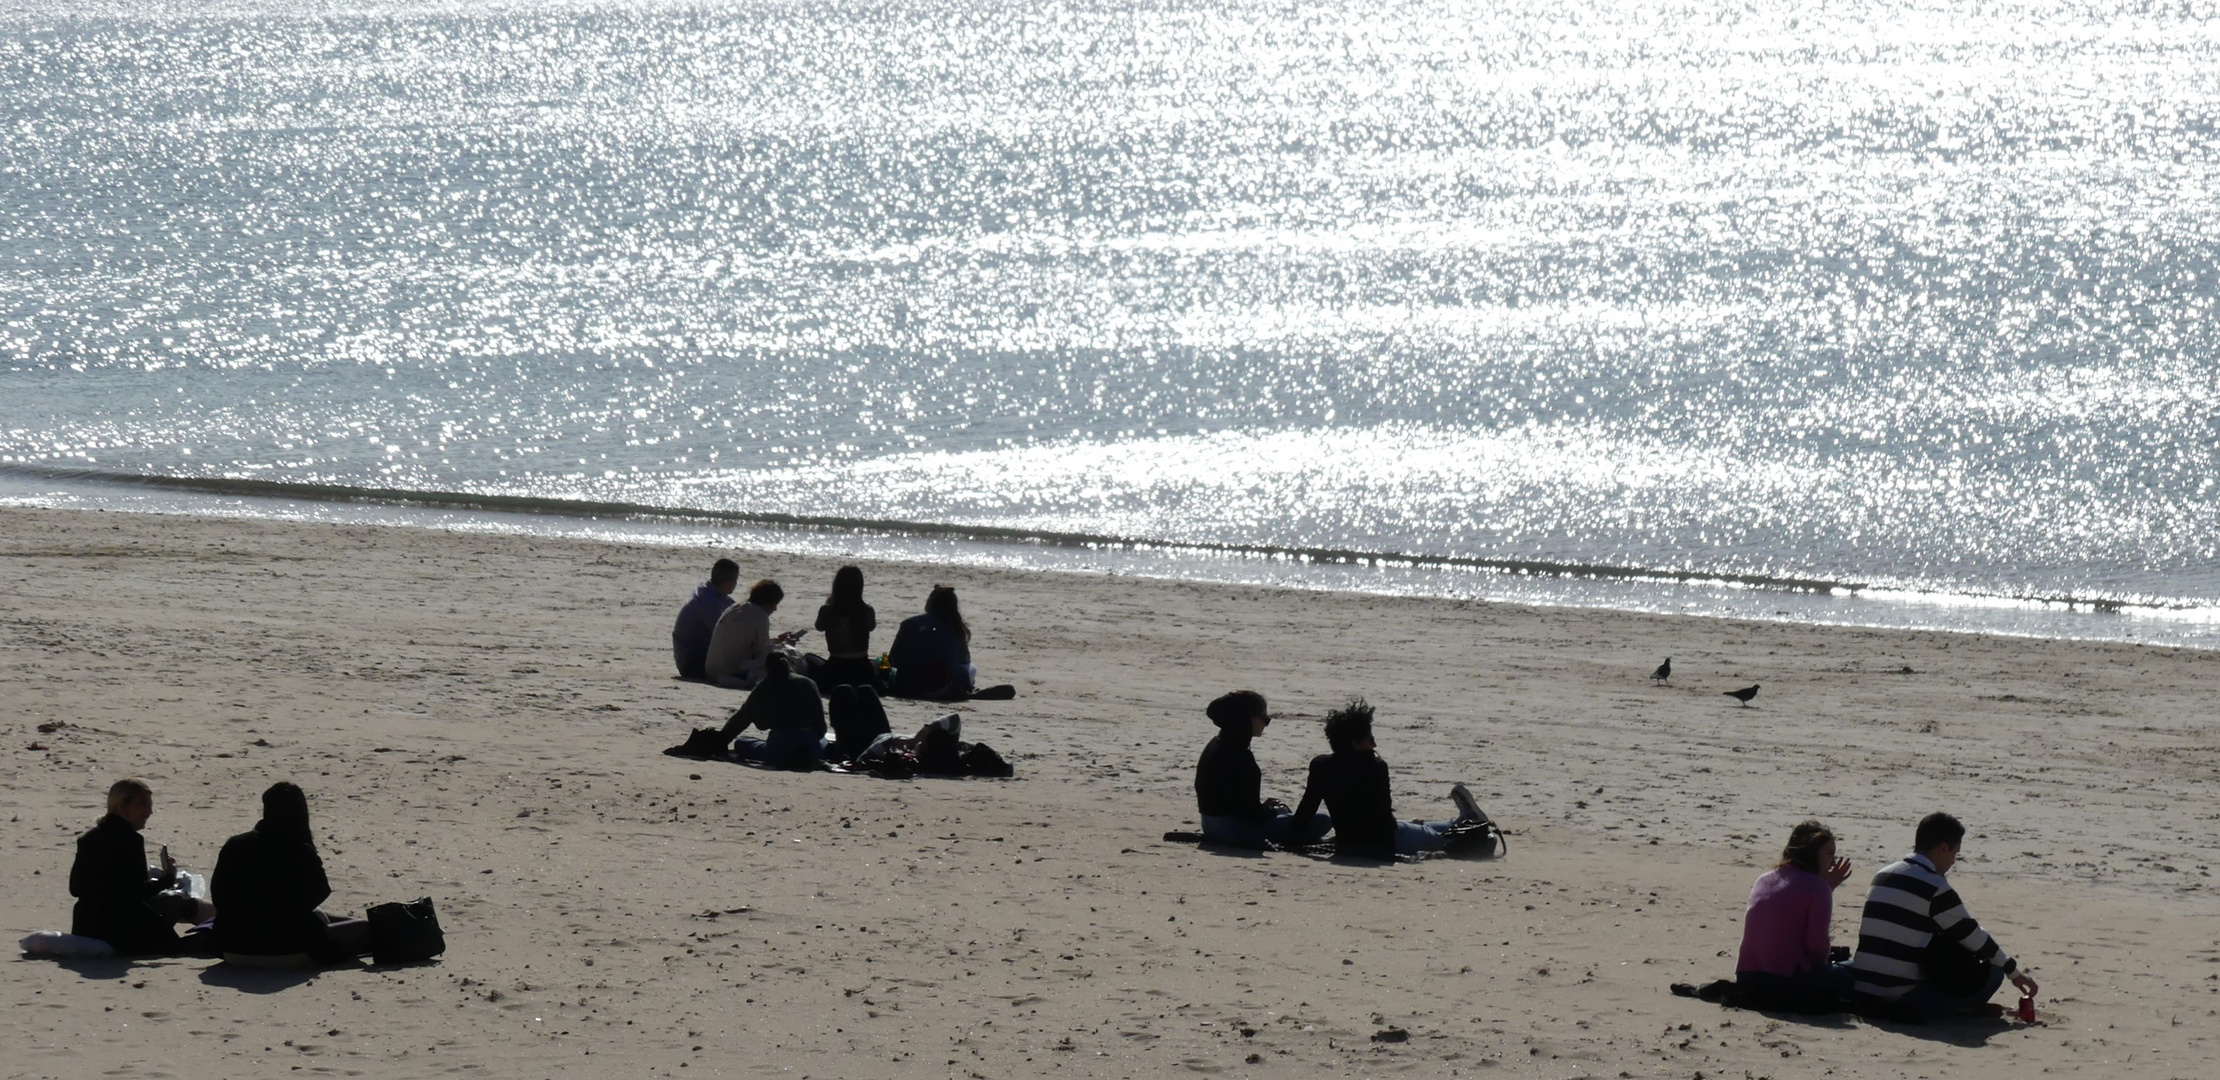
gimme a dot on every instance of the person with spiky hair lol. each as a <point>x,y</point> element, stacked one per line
<point>1352,782</point>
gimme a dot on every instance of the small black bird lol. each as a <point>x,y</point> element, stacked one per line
<point>1664,671</point>
<point>1743,695</point>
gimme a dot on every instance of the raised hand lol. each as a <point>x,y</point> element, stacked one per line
<point>1838,873</point>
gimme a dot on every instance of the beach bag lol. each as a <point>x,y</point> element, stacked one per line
<point>979,759</point>
<point>405,933</point>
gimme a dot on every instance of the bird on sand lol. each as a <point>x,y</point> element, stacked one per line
<point>1743,695</point>
<point>1664,671</point>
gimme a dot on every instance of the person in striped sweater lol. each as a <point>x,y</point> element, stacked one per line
<point>1921,956</point>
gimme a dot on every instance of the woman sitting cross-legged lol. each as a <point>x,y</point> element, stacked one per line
<point>268,884</point>
<point>1786,960</point>
<point>1229,786</point>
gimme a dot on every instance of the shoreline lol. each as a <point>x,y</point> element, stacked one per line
<point>1625,589</point>
<point>478,717</point>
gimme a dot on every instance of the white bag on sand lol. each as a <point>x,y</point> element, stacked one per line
<point>55,945</point>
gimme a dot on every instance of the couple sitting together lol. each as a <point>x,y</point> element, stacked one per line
<point>786,707</point>
<point>1352,783</point>
<point>267,887</point>
<point>718,641</point>
<point>1921,956</point>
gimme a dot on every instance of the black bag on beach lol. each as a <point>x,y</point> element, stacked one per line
<point>405,933</point>
<point>979,759</point>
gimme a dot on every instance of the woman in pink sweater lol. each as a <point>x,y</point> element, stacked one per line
<point>1787,961</point>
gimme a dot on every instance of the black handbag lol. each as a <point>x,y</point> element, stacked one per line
<point>405,933</point>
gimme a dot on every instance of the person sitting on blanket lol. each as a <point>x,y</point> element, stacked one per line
<point>787,708</point>
<point>847,622</point>
<point>269,885</point>
<point>1353,783</point>
<point>120,900</point>
<point>1229,786</point>
<point>697,621</point>
<point>1786,960</point>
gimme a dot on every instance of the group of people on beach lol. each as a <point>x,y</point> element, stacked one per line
<point>795,697</point>
<point>1920,956</point>
<point>730,644</point>
<point>263,903</point>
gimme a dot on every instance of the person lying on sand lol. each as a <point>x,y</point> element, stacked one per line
<point>1229,786</point>
<point>743,639</point>
<point>1921,955</point>
<point>269,882</point>
<point>1353,783</point>
<point>697,621</point>
<point>937,748</point>
<point>119,899</point>
<point>1787,961</point>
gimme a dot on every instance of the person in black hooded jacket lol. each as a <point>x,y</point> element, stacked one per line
<point>1229,786</point>
<point>268,883</point>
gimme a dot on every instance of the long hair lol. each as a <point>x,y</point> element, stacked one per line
<point>942,602</point>
<point>847,590</point>
<point>285,812</point>
<point>1802,850</point>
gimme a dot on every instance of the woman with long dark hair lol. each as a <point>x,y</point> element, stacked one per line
<point>269,881</point>
<point>847,623</point>
<point>932,652</point>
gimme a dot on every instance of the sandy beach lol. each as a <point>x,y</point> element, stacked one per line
<point>478,718</point>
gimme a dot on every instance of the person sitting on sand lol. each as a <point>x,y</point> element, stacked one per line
<point>743,638</point>
<point>1353,783</point>
<point>1786,960</point>
<point>931,653</point>
<point>119,899</point>
<point>787,708</point>
<point>1921,956</point>
<point>268,884</point>
<point>847,622</point>
<point>697,621</point>
<point>1229,786</point>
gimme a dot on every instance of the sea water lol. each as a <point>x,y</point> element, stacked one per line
<point>1889,313</point>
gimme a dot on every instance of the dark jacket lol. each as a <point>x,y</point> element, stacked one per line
<point>697,622</point>
<point>776,704</point>
<point>110,881</point>
<point>928,657</point>
<point>266,889</point>
<point>1227,780</point>
<point>1354,786</point>
<point>847,633</point>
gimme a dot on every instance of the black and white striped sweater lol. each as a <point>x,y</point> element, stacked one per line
<point>1910,907</point>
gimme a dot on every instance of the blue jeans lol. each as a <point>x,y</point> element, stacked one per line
<point>786,748</point>
<point>1825,988</point>
<point>1277,829</point>
<point>1417,837</point>
<point>1929,1002</point>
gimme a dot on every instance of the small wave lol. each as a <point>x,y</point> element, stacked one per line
<point>1300,554</point>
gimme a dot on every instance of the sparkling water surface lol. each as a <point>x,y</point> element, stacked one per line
<point>1912,297</point>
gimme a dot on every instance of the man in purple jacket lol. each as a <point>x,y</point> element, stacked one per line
<point>698,619</point>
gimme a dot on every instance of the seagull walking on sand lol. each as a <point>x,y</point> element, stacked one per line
<point>1664,672</point>
<point>1743,695</point>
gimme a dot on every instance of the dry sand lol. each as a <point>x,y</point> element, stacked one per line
<point>478,718</point>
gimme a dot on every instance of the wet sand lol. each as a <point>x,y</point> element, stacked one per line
<point>478,718</point>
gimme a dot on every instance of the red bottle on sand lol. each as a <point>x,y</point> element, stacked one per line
<point>2027,1008</point>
